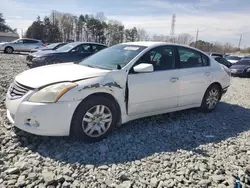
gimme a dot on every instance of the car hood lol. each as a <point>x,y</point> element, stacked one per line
<point>3,43</point>
<point>240,67</point>
<point>40,53</point>
<point>233,61</point>
<point>45,75</point>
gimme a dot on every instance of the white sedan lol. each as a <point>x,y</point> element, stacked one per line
<point>121,83</point>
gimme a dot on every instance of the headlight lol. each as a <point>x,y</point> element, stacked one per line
<point>52,93</point>
<point>248,70</point>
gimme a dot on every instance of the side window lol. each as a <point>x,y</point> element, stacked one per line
<point>217,59</point>
<point>162,58</point>
<point>20,41</point>
<point>26,41</point>
<point>97,47</point>
<point>191,59</point>
<point>205,60</point>
<point>83,48</point>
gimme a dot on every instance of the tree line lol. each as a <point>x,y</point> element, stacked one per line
<point>59,26</point>
<point>4,27</point>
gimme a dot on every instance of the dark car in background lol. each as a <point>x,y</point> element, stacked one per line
<point>245,57</point>
<point>52,46</point>
<point>241,68</point>
<point>71,52</point>
<point>222,61</point>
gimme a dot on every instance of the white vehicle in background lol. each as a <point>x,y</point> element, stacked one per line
<point>21,45</point>
<point>118,84</point>
<point>233,59</point>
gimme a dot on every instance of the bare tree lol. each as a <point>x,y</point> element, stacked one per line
<point>160,38</point>
<point>142,35</point>
<point>184,38</point>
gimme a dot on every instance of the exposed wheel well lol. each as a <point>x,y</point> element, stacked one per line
<point>219,85</point>
<point>107,96</point>
<point>8,47</point>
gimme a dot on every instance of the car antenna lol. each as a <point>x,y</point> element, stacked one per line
<point>119,67</point>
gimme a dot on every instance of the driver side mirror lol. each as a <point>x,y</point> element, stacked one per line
<point>143,67</point>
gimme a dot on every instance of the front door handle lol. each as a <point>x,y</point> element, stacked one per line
<point>207,73</point>
<point>173,79</point>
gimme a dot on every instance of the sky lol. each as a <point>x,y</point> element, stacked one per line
<point>217,20</point>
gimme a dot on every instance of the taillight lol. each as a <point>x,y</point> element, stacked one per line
<point>44,45</point>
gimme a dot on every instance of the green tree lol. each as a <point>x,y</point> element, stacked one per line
<point>4,27</point>
<point>131,35</point>
<point>51,31</point>
<point>36,30</point>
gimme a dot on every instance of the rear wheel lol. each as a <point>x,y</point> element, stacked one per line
<point>8,50</point>
<point>211,98</point>
<point>94,119</point>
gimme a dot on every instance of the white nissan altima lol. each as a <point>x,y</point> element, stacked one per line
<point>121,83</point>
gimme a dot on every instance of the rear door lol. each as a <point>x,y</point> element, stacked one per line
<point>195,75</point>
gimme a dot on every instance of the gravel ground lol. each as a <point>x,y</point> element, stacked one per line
<point>182,149</point>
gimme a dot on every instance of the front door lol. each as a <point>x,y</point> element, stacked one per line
<point>195,76</point>
<point>157,90</point>
<point>19,45</point>
<point>78,53</point>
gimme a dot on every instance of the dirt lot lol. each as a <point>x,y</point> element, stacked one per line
<point>184,149</point>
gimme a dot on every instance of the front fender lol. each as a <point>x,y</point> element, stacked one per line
<point>95,85</point>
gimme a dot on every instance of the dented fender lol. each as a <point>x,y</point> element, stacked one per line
<point>113,84</point>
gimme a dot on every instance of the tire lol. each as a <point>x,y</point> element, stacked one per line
<point>80,128</point>
<point>211,98</point>
<point>8,50</point>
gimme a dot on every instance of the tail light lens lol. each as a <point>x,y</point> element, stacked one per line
<point>44,45</point>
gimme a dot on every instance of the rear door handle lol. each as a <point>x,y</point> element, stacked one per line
<point>207,73</point>
<point>173,79</point>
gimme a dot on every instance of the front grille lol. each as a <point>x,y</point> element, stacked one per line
<point>239,71</point>
<point>17,90</point>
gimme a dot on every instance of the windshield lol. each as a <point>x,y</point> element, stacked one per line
<point>246,57</point>
<point>233,58</point>
<point>243,62</point>
<point>67,47</point>
<point>52,45</point>
<point>113,57</point>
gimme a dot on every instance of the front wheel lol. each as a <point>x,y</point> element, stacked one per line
<point>94,119</point>
<point>9,50</point>
<point>211,98</point>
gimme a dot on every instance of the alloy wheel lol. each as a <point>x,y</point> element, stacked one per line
<point>97,121</point>
<point>212,99</point>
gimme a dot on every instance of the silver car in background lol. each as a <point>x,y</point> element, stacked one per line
<point>21,45</point>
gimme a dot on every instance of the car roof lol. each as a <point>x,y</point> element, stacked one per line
<point>31,39</point>
<point>151,44</point>
<point>214,56</point>
<point>77,43</point>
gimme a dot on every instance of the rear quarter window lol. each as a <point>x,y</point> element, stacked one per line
<point>205,60</point>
